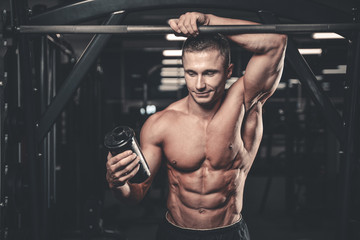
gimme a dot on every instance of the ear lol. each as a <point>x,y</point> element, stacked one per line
<point>229,70</point>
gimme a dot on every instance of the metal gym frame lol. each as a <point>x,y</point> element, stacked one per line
<point>344,127</point>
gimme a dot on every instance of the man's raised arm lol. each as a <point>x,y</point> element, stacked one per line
<point>264,69</point>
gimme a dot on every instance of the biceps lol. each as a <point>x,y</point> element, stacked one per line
<point>153,156</point>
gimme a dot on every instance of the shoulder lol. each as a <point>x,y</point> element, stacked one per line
<point>170,113</point>
<point>157,124</point>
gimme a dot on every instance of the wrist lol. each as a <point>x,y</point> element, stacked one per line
<point>208,18</point>
<point>122,191</point>
<point>121,187</point>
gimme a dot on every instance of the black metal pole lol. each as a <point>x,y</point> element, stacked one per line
<point>352,118</point>
<point>3,76</point>
<point>75,77</point>
<point>54,132</point>
<point>29,106</point>
<point>45,84</point>
<point>32,219</point>
<point>149,29</point>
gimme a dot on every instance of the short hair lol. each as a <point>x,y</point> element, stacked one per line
<point>208,42</point>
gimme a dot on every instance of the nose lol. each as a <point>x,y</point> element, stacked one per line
<point>200,83</point>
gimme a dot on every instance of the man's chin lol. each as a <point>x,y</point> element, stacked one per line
<point>204,102</point>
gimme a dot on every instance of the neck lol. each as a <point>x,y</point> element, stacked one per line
<point>205,112</point>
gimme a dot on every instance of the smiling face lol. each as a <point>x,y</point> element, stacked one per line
<point>205,76</point>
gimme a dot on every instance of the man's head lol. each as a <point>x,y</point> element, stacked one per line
<point>207,42</point>
<point>206,61</point>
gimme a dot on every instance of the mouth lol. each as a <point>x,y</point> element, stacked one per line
<point>202,93</point>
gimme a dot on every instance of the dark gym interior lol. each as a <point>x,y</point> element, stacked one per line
<point>60,93</point>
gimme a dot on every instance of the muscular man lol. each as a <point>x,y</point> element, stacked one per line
<point>207,140</point>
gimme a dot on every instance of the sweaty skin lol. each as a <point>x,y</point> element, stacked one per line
<point>207,140</point>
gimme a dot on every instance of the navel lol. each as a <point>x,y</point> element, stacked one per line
<point>173,162</point>
<point>230,146</point>
<point>201,210</point>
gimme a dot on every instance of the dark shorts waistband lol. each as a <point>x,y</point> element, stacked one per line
<point>217,230</point>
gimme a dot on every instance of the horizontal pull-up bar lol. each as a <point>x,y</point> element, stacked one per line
<point>226,29</point>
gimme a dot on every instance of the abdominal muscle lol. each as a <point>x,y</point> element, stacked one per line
<point>205,198</point>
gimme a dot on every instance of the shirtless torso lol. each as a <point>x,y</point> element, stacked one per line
<point>207,162</point>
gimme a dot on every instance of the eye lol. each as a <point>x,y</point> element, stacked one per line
<point>191,73</point>
<point>210,73</point>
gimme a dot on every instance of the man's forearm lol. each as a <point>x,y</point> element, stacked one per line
<point>129,193</point>
<point>257,43</point>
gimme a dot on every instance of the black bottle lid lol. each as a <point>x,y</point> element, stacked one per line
<point>119,138</point>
